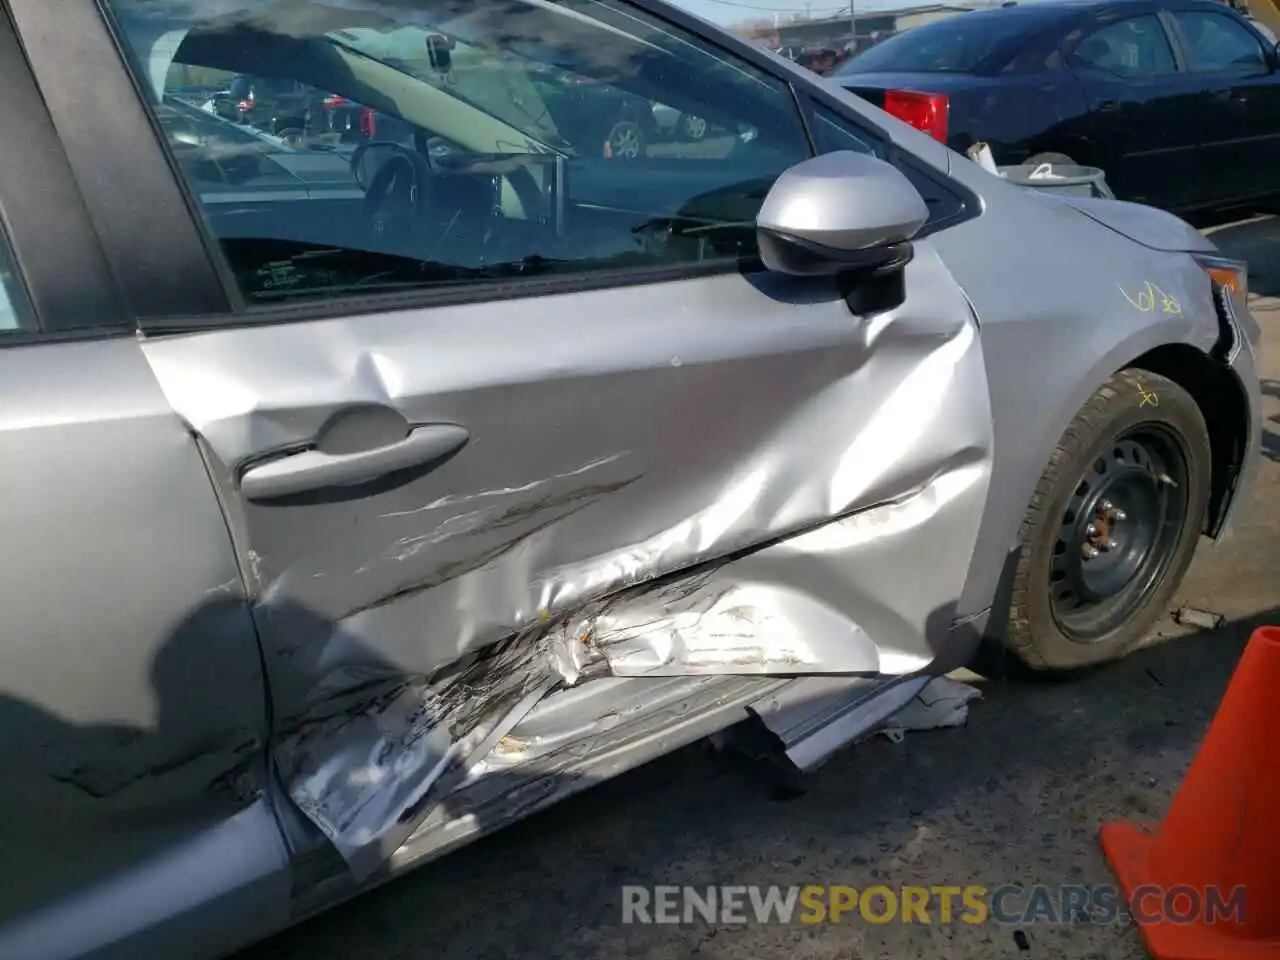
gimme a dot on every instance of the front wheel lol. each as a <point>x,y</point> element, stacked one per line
<point>1113,524</point>
<point>625,141</point>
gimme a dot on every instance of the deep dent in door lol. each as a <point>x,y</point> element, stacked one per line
<point>840,544</point>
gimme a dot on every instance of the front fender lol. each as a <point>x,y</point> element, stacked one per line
<point>1071,317</point>
<point>1148,226</point>
<point>1026,434</point>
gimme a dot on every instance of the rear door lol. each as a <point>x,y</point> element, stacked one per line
<point>132,697</point>
<point>1145,113</point>
<point>561,422</point>
<point>1241,119</point>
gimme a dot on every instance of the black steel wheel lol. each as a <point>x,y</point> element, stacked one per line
<point>1113,524</point>
<point>1118,532</point>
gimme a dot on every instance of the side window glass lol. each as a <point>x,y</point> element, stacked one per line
<point>832,132</point>
<point>16,315</point>
<point>217,155</point>
<point>1136,47</point>
<point>404,147</point>
<point>1218,43</point>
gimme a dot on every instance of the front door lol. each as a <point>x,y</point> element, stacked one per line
<point>555,420</point>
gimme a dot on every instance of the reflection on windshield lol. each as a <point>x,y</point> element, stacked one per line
<point>185,122</point>
<point>498,84</point>
<point>509,139</point>
<point>955,45</point>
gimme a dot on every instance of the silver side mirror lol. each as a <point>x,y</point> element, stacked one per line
<point>837,213</point>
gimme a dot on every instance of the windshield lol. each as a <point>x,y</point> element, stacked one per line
<point>962,43</point>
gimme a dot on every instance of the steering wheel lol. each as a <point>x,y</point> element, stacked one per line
<point>401,184</point>
<point>400,198</point>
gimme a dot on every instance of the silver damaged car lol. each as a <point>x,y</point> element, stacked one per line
<point>369,492</point>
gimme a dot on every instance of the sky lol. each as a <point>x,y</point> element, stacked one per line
<point>729,12</point>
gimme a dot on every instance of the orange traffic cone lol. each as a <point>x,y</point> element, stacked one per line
<point>1206,883</point>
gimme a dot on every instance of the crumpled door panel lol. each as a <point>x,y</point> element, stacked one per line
<point>730,475</point>
<point>852,596</point>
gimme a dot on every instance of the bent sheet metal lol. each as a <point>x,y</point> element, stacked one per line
<point>731,477</point>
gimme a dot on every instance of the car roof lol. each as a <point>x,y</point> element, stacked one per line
<point>1024,18</point>
<point>1048,9</point>
<point>1037,15</point>
<point>1031,16</point>
<point>1037,8</point>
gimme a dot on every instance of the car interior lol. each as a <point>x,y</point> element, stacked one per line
<point>512,197</point>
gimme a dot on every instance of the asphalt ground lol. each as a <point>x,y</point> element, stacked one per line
<point>1013,798</point>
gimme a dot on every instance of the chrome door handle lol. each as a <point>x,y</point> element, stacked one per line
<point>314,470</point>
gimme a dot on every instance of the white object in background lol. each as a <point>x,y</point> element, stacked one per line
<point>981,154</point>
<point>1043,172</point>
<point>942,702</point>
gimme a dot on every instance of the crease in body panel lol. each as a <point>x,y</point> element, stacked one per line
<point>454,499</point>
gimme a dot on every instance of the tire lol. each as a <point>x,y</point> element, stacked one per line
<point>292,136</point>
<point>625,140</point>
<point>694,128</point>
<point>1057,159</point>
<point>1141,442</point>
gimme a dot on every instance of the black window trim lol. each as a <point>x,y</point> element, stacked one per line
<point>46,226</point>
<point>133,198</point>
<point>970,203</point>
<point>874,133</point>
<point>811,103</point>
<point>173,275</point>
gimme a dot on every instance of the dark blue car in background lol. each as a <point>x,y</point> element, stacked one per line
<point>1178,101</point>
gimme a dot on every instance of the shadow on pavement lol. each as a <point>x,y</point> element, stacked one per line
<point>1015,797</point>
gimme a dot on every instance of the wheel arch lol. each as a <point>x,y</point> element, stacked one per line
<point>1225,408</point>
<point>1223,403</point>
